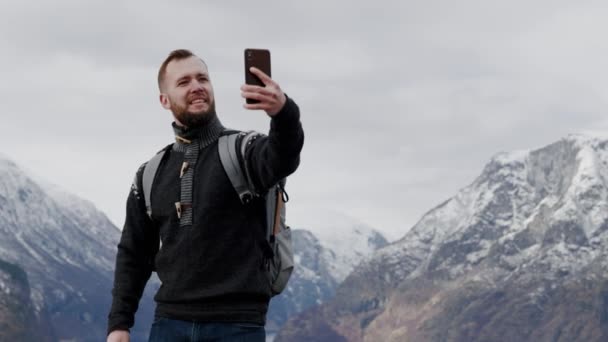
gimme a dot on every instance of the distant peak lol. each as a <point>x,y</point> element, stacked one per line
<point>590,138</point>
<point>510,157</point>
<point>6,163</point>
<point>325,218</point>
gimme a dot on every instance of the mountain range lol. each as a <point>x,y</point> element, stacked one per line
<point>57,255</point>
<point>325,252</point>
<point>58,251</point>
<point>518,255</point>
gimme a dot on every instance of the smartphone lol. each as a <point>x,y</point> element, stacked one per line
<point>259,58</point>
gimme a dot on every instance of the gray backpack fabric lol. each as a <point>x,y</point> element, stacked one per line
<point>279,247</point>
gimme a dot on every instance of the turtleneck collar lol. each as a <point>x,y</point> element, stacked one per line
<point>204,135</point>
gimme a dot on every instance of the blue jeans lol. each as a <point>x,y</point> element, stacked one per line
<point>171,330</point>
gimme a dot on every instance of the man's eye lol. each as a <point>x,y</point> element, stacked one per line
<point>182,83</point>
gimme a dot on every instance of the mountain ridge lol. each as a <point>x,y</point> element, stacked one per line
<point>67,248</point>
<point>530,219</point>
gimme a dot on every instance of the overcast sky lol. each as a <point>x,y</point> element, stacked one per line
<point>402,102</point>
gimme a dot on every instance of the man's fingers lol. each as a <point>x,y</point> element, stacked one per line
<point>255,106</point>
<point>259,93</point>
<point>263,77</point>
<point>252,106</point>
<point>271,98</point>
<point>266,98</point>
<point>256,89</point>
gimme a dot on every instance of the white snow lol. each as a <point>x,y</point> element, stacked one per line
<point>511,157</point>
<point>4,287</point>
<point>563,183</point>
<point>345,240</point>
<point>46,230</point>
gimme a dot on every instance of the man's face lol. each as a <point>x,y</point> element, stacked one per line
<point>187,92</point>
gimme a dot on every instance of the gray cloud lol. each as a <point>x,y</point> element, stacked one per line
<point>402,101</point>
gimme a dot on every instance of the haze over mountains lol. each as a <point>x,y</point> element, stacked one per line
<point>324,255</point>
<point>518,255</point>
<point>57,259</point>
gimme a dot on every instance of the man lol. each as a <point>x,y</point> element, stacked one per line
<point>200,239</point>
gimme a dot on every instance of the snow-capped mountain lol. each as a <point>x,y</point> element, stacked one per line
<point>344,241</point>
<point>325,251</point>
<point>518,255</point>
<point>67,249</point>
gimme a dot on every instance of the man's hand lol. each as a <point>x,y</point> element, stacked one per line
<point>271,96</point>
<point>118,336</point>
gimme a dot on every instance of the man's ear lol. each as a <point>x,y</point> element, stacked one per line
<point>164,101</point>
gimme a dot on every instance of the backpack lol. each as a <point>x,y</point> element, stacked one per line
<point>277,247</point>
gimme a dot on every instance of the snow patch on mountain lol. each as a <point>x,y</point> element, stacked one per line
<point>345,241</point>
<point>530,228</point>
<point>511,157</point>
<point>545,207</point>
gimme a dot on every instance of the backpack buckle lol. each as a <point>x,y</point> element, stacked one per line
<point>247,198</point>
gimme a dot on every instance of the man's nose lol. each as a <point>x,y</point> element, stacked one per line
<point>196,85</point>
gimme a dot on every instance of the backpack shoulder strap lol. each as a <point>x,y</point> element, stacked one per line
<point>230,155</point>
<point>232,147</point>
<point>149,174</point>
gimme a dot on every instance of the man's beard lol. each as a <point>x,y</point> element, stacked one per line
<point>193,119</point>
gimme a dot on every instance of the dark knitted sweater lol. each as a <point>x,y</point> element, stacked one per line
<point>211,268</point>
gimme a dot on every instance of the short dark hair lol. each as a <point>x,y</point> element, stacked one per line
<point>178,54</point>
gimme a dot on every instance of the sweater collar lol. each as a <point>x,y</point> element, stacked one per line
<point>204,135</point>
